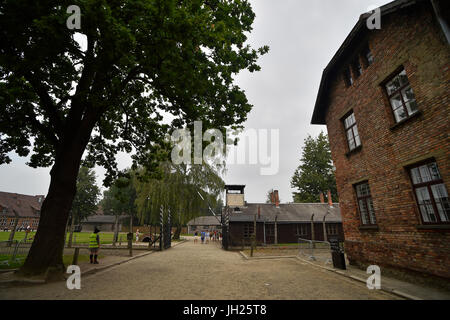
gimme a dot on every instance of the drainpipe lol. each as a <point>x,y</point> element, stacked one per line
<point>441,20</point>
<point>312,230</point>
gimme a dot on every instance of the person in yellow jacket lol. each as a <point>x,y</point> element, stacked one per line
<point>94,245</point>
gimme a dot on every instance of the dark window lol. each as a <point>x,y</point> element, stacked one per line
<point>365,204</point>
<point>270,228</point>
<point>351,131</point>
<point>431,193</point>
<point>302,230</point>
<point>401,97</point>
<point>332,229</point>
<point>357,68</point>
<point>348,77</point>
<point>368,57</point>
<point>248,230</point>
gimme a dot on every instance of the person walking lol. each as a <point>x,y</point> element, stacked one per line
<point>137,235</point>
<point>202,236</point>
<point>196,237</point>
<point>94,245</point>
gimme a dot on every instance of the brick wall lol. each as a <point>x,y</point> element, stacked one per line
<point>410,38</point>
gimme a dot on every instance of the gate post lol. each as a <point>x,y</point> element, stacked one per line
<point>225,228</point>
<point>161,230</point>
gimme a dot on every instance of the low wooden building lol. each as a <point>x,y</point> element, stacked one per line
<point>205,223</point>
<point>282,223</point>
<point>104,222</point>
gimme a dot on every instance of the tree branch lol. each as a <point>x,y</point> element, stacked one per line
<point>45,130</point>
<point>46,103</point>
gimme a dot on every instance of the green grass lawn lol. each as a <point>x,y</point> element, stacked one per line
<point>105,237</point>
<point>285,245</point>
<point>78,237</point>
<point>12,264</point>
<point>4,236</point>
<point>20,259</point>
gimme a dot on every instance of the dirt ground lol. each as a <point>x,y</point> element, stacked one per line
<point>204,272</point>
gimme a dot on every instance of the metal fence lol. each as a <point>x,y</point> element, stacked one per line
<point>314,250</point>
<point>12,252</point>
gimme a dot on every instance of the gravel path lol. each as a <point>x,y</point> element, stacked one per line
<point>198,272</point>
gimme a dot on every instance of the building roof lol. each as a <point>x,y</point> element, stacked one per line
<point>287,213</point>
<point>359,29</point>
<point>205,221</point>
<point>20,204</point>
<point>100,219</point>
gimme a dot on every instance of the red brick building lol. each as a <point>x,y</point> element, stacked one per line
<point>19,210</point>
<point>385,99</point>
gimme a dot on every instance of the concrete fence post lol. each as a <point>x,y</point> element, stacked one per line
<point>75,256</point>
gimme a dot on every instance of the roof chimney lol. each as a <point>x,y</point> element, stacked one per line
<point>330,200</point>
<point>322,200</point>
<point>277,199</point>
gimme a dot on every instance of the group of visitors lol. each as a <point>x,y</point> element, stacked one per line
<point>206,236</point>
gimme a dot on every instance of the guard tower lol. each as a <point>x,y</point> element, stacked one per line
<point>235,196</point>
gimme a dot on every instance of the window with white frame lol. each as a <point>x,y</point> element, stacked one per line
<point>351,131</point>
<point>401,97</point>
<point>431,193</point>
<point>365,204</point>
<point>368,56</point>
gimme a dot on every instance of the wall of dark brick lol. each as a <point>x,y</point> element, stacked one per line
<point>412,39</point>
<point>287,233</point>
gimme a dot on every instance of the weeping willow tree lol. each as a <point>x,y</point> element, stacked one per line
<point>177,190</point>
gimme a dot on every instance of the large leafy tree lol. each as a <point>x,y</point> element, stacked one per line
<point>315,174</point>
<point>119,200</point>
<point>143,59</point>
<point>86,198</point>
<point>184,191</point>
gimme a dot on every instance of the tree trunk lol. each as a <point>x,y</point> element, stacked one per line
<point>176,235</point>
<point>46,252</point>
<point>71,232</point>
<point>116,230</point>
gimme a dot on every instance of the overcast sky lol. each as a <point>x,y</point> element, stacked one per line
<point>303,36</point>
